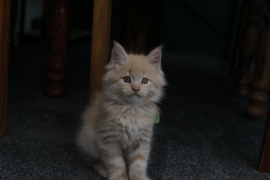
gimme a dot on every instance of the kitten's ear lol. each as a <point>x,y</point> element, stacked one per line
<point>118,54</point>
<point>154,57</point>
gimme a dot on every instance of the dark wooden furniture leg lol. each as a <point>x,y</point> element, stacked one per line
<point>260,85</point>
<point>100,42</point>
<point>60,31</point>
<point>265,152</point>
<point>236,56</point>
<point>4,58</point>
<point>248,44</point>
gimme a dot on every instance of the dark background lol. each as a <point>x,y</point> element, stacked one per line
<point>205,28</point>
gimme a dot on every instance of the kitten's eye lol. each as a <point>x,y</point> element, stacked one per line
<point>127,79</point>
<point>144,81</point>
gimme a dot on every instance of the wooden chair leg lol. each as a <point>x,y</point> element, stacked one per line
<point>260,85</point>
<point>100,42</point>
<point>265,151</point>
<point>236,56</point>
<point>4,58</point>
<point>59,42</point>
<point>248,45</point>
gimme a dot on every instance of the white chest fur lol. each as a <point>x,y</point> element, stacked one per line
<point>131,123</point>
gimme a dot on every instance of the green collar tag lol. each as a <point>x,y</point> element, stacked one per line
<point>157,119</point>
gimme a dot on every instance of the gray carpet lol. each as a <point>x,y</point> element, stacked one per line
<point>203,133</point>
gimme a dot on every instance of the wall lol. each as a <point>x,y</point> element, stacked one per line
<point>33,11</point>
<point>199,27</point>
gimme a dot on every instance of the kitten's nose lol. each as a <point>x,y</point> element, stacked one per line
<point>135,89</point>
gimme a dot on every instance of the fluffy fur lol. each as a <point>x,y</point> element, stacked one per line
<point>117,126</point>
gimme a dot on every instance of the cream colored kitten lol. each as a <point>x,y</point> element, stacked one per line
<point>117,126</point>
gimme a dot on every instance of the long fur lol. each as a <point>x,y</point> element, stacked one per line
<point>117,126</point>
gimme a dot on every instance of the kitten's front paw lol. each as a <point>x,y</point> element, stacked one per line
<point>100,168</point>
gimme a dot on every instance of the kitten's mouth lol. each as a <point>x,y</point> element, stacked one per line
<point>135,94</point>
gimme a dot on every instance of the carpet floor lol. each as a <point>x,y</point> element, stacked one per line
<point>203,133</point>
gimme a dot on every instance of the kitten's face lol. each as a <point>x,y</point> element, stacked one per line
<point>134,79</point>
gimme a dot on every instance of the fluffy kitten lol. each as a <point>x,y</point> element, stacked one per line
<point>117,126</point>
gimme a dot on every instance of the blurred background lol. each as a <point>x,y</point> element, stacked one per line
<point>206,28</point>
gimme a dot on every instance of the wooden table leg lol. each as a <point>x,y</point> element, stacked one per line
<point>265,152</point>
<point>236,53</point>
<point>60,31</point>
<point>4,58</point>
<point>248,45</point>
<point>100,42</point>
<point>260,85</point>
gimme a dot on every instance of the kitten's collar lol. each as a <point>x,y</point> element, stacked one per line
<point>157,119</point>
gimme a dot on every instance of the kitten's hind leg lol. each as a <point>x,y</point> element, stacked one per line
<point>100,168</point>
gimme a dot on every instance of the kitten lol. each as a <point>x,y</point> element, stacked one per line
<point>117,126</point>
